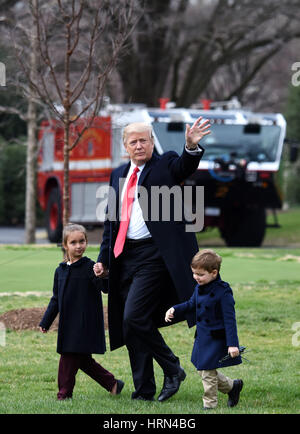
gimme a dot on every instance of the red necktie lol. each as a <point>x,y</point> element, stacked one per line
<point>126,212</point>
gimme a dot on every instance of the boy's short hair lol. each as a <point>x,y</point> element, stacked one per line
<point>207,259</point>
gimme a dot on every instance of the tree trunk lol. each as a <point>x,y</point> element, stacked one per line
<point>66,190</point>
<point>31,178</point>
<point>30,213</point>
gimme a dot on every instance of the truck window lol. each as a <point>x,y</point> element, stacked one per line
<point>47,147</point>
<point>256,142</point>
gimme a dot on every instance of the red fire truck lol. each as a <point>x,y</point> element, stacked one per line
<point>238,170</point>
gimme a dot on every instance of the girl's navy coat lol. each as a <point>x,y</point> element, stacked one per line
<point>77,298</point>
<point>213,305</point>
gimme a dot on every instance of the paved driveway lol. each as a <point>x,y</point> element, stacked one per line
<point>16,235</point>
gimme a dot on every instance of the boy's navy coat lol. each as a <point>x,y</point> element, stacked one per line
<point>176,246</point>
<point>213,307</point>
<point>77,298</point>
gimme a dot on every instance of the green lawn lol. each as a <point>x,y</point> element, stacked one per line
<point>27,269</point>
<point>266,284</point>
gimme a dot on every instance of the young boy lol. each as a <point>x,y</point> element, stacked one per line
<point>216,334</point>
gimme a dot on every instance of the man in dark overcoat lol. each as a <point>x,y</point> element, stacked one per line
<point>151,267</point>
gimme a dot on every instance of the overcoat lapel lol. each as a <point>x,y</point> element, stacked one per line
<point>147,168</point>
<point>118,185</point>
<point>121,177</point>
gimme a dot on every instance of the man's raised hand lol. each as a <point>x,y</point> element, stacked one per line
<point>194,133</point>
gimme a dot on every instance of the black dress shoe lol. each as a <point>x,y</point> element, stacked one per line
<point>234,394</point>
<point>171,385</point>
<point>143,398</point>
<point>120,385</point>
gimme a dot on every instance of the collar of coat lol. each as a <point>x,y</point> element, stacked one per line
<point>78,263</point>
<point>213,285</point>
<point>123,170</point>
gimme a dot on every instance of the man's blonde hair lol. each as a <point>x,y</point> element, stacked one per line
<point>137,127</point>
<point>207,259</point>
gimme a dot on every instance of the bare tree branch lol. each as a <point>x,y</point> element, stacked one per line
<point>43,43</point>
<point>63,87</point>
<point>13,111</point>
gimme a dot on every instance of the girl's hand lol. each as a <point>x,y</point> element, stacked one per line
<point>169,314</point>
<point>233,351</point>
<point>100,270</point>
<point>43,330</point>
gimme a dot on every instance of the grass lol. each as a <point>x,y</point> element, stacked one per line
<point>37,265</point>
<point>266,285</point>
<point>265,316</point>
<point>31,269</point>
<point>29,365</point>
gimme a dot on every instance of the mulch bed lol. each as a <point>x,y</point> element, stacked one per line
<point>29,319</point>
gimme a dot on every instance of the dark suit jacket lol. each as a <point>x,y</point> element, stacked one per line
<point>176,246</point>
<point>77,298</point>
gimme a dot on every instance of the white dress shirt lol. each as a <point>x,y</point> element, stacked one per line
<point>196,151</point>
<point>137,228</point>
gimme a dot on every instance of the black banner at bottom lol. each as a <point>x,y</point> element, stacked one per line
<point>109,423</point>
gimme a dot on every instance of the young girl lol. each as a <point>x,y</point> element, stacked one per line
<point>77,298</point>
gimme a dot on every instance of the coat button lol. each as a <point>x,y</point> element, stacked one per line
<point>206,307</point>
<point>199,318</point>
<point>211,294</point>
<point>207,320</point>
<point>199,305</point>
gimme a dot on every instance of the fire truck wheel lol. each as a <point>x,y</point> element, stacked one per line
<point>244,228</point>
<point>54,216</point>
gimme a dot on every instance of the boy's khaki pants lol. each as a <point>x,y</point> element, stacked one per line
<point>212,382</point>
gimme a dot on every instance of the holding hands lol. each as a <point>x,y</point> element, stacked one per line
<point>100,270</point>
<point>170,314</point>
<point>194,133</point>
